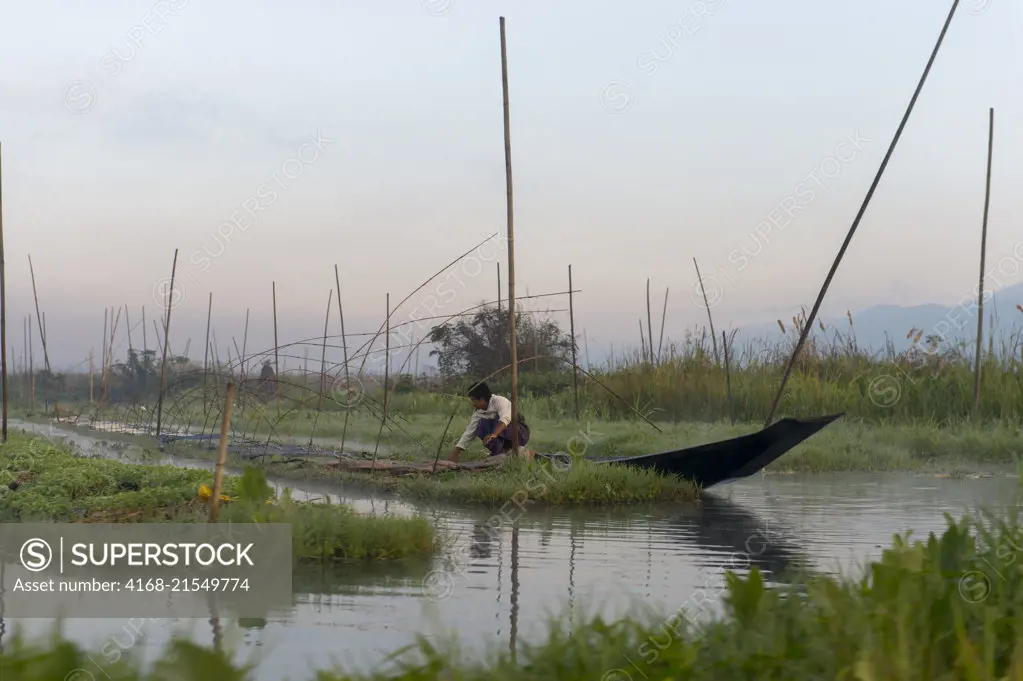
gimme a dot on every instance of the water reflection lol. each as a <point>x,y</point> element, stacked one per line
<point>720,527</point>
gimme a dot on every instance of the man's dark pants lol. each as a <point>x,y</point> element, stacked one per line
<point>501,444</point>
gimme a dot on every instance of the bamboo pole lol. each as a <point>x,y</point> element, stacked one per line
<point>323,356</point>
<point>39,318</point>
<point>103,349</point>
<point>206,355</point>
<point>24,354</point>
<point>344,349</point>
<point>710,318</point>
<point>856,221</point>
<point>649,323</point>
<point>511,244</point>
<point>31,367</point>
<point>277,364</point>
<point>387,366</point>
<point>983,252</point>
<point>728,376</point>
<point>642,341</point>
<point>127,323</point>
<point>571,329</point>
<point>245,368</point>
<point>110,351</point>
<point>3,306</point>
<point>664,317</point>
<point>218,479</point>
<point>166,345</point>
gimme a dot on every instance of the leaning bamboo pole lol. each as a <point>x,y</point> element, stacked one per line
<point>710,317</point>
<point>983,251</point>
<point>511,245</point>
<point>856,221</point>
<point>323,355</point>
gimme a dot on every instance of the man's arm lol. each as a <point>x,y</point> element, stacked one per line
<point>467,436</point>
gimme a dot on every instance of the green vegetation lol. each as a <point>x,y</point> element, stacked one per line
<point>911,410</point>
<point>45,482</point>
<point>522,484</point>
<point>946,608</point>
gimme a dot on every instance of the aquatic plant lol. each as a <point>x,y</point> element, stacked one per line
<point>947,607</point>
<point>48,482</point>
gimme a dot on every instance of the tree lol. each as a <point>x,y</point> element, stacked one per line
<point>479,345</point>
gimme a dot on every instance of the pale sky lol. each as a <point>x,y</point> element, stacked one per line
<point>644,134</point>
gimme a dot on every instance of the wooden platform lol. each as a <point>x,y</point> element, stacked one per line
<point>392,467</point>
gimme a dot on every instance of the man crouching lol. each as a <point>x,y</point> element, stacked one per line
<point>490,423</point>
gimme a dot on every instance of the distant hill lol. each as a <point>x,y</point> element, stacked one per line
<point>880,323</point>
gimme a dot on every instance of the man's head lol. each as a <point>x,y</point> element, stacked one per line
<point>480,395</point>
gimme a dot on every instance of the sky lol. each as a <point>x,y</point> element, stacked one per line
<point>269,142</point>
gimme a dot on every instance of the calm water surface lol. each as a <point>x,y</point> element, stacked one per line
<point>502,579</point>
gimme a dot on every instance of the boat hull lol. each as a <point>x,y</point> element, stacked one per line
<point>718,462</point>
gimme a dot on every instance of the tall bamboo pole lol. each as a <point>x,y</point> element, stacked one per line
<point>344,349</point>
<point>728,376</point>
<point>387,367</point>
<point>983,252</point>
<point>31,368</point>
<point>24,354</point>
<point>245,368</point>
<point>664,317</point>
<point>166,344</point>
<point>103,350</point>
<point>511,244</point>
<point>571,329</point>
<point>110,349</point>
<point>218,478</point>
<point>277,363</point>
<point>649,322</point>
<point>3,305</point>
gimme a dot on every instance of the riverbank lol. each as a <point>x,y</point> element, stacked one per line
<point>947,609</point>
<point>45,482</point>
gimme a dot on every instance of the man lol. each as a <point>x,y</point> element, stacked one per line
<point>490,423</point>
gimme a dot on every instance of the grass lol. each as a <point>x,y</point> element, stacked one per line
<point>904,411</point>
<point>945,608</point>
<point>54,484</point>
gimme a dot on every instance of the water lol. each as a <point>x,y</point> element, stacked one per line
<point>497,587</point>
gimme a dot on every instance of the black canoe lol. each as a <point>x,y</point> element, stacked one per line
<point>717,462</point>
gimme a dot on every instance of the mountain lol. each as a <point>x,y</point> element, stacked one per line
<point>880,323</point>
